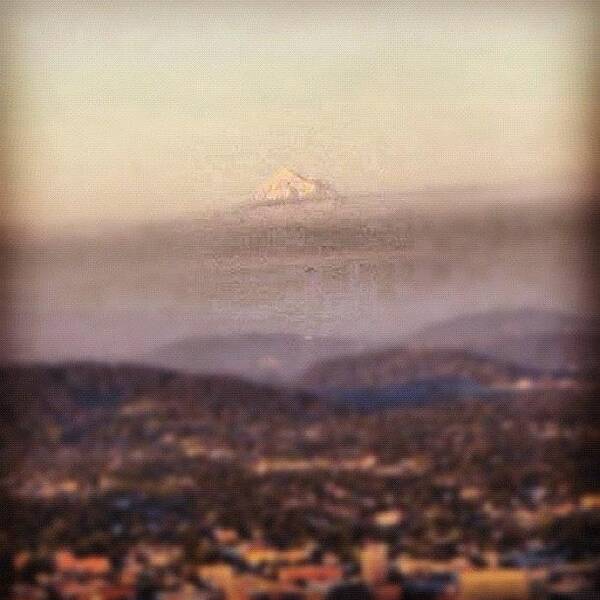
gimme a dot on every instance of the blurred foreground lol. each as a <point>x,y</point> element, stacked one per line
<point>457,477</point>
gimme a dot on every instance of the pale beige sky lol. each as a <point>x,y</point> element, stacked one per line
<point>153,110</point>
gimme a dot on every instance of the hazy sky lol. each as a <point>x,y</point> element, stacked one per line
<point>139,110</point>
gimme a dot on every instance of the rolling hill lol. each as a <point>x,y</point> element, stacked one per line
<point>275,358</point>
<point>541,339</point>
<point>399,366</point>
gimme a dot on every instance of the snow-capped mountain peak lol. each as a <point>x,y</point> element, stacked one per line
<point>286,185</point>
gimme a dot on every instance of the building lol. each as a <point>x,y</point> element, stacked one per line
<point>306,574</point>
<point>374,563</point>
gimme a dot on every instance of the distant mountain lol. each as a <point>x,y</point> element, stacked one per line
<point>288,186</point>
<point>401,366</point>
<point>275,358</point>
<point>540,339</point>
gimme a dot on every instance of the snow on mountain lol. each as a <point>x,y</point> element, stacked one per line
<point>288,186</point>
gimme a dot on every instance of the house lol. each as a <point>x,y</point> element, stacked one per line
<point>306,574</point>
